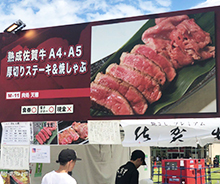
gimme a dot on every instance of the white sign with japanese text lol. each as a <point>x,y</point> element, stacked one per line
<point>171,132</point>
<point>104,132</point>
<point>15,133</point>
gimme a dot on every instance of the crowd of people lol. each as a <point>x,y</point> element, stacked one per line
<point>215,162</point>
<point>210,163</point>
<point>126,174</point>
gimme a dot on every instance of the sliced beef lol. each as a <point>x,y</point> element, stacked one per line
<point>144,65</point>
<point>82,130</point>
<point>74,134</point>
<point>110,99</point>
<point>161,31</point>
<point>67,136</point>
<point>41,135</point>
<point>207,52</point>
<point>180,39</point>
<point>188,35</point>
<point>45,133</point>
<point>47,129</point>
<point>62,139</point>
<point>134,97</point>
<point>75,125</point>
<point>179,58</point>
<point>39,139</point>
<point>189,43</point>
<point>144,83</point>
<point>159,45</point>
<point>175,20</point>
<point>158,58</point>
<point>163,27</point>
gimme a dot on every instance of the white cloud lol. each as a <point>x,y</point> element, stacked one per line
<point>118,11</point>
<point>46,13</point>
<point>208,3</point>
<point>41,13</point>
<point>165,3</point>
<point>94,5</point>
<point>151,7</point>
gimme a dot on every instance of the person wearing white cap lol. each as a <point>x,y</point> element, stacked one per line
<point>67,159</point>
<point>128,173</point>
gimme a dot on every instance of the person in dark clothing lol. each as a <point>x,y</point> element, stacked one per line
<point>128,173</point>
<point>215,162</point>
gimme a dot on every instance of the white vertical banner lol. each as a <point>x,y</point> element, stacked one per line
<point>104,132</point>
<point>171,132</point>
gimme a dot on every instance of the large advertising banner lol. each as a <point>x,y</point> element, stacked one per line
<point>168,59</point>
<point>151,66</point>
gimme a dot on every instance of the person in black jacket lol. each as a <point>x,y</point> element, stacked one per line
<point>215,162</point>
<point>128,173</point>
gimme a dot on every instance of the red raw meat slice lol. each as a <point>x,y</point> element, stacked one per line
<point>175,20</point>
<point>47,129</point>
<point>74,134</point>
<point>42,136</point>
<point>83,130</point>
<point>144,65</point>
<point>207,52</point>
<point>110,99</point>
<point>75,125</point>
<point>188,35</point>
<point>62,139</point>
<point>45,133</point>
<point>159,59</point>
<point>39,139</point>
<point>145,84</point>
<point>180,39</point>
<point>179,58</point>
<point>68,136</point>
<point>163,27</point>
<point>159,45</point>
<point>134,97</point>
<point>189,43</point>
<point>161,31</point>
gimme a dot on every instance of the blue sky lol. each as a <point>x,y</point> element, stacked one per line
<point>46,13</point>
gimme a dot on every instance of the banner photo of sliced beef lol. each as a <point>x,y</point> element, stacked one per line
<point>72,132</point>
<point>45,133</point>
<point>167,59</point>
